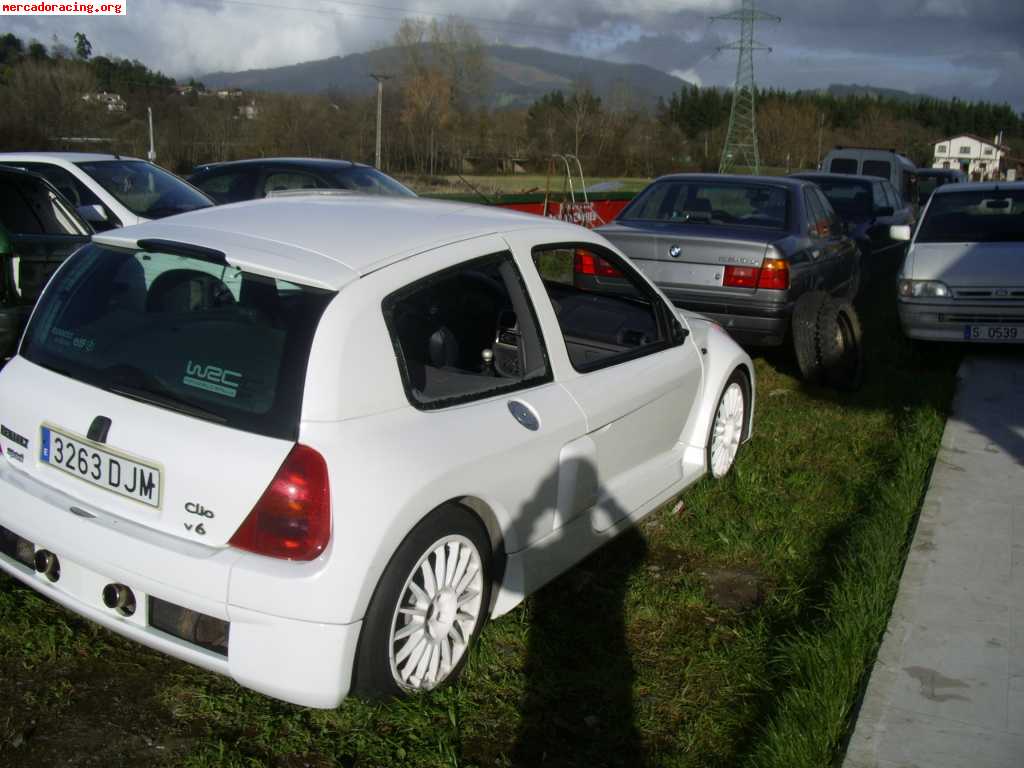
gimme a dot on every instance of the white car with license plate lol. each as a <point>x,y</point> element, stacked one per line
<point>313,443</point>
<point>963,275</point>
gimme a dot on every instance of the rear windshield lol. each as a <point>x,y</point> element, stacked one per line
<point>844,165</point>
<point>145,189</point>
<point>180,333</point>
<point>989,216</point>
<point>850,199</point>
<point>369,181</point>
<point>714,203</point>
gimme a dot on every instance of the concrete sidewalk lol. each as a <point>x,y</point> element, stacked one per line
<point>948,687</point>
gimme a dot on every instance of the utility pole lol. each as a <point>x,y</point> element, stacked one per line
<point>821,128</point>
<point>152,149</point>
<point>740,148</point>
<point>380,108</point>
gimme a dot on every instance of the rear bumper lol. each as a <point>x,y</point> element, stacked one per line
<point>934,321</point>
<point>307,663</point>
<point>754,324</point>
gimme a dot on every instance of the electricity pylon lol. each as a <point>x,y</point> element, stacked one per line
<point>740,150</point>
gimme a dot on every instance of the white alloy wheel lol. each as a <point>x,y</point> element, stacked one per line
<point>437,611</point>
<point>728,430</point>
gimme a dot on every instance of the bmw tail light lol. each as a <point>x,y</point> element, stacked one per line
<point>586,263</point>
<point>292,519</point>
<point>741,277</point>
<point>774,274</point>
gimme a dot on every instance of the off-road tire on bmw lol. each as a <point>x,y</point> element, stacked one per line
<point>372,675</point>
<point>841,345</point>
<point>853,287</point>
<point>805,334</point>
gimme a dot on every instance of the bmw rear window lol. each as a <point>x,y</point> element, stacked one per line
<point>180,332</point>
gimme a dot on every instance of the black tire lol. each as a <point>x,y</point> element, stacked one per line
<point>373,675</point>
<point>841,345</point>
<point>805,334</point>
<point>737,377</point>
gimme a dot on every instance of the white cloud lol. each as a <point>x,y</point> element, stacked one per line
<point>689,75</point>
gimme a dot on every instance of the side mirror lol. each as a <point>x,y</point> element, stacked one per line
<point>900,233</point>
<point>884,211</point>
<point>94,214</point>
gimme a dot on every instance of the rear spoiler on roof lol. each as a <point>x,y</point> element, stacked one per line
<point>185,249</point>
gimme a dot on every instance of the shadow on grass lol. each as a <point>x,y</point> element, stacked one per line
<point>578,707</point>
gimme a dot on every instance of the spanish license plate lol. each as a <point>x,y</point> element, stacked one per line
<point>996,333</point>
<point>101,467</point>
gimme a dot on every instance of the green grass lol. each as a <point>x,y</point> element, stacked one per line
<point>734,629</point>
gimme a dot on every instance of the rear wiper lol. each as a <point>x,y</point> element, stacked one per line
<point>169,402</point>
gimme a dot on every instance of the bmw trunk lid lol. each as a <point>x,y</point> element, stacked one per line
<point>682,257</point>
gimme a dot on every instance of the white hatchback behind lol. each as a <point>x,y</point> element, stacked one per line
<point>313,443</point>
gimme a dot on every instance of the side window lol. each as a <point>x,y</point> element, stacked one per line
<point>893,196</point>
<point>880,199</point>
<point>880,168</point>
<point>817,221</point>
<point>466,333</point>
<point>830,214</point>
<point>280,180</point>
<point>606,312</point>
<point>229,187</point>
<point>74,190</point>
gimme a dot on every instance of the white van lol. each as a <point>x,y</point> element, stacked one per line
<point>884,163</point>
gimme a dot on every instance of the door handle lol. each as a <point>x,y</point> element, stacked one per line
<point>524,414</point>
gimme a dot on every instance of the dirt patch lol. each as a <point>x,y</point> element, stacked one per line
<point>95,714</point>
<point>735,589</point>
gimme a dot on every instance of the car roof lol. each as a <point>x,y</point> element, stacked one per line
<point>729,178</point>
<point>980,186</point>
<point>302,162</point>
<point>824,175</point>
<point>70,157</point>
<point>328,241</point>
<point>939,172</point>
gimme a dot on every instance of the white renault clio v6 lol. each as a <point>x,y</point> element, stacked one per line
<point>313,443</point>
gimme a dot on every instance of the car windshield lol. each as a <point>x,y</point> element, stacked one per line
<point>145,189</point>
<point>850,199</point>
<point>712,203</point>
<point>977,216</point>
<point>369,181</point>
<point>181,333</point>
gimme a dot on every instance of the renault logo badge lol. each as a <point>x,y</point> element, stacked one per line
<point>675,251</point>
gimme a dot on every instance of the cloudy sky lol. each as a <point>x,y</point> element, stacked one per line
<point>966,48</point>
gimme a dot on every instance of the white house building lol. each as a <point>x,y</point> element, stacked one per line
<point>980,159</point>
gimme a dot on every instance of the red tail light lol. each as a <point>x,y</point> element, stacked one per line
<point>774,274</point>
<point>741,277</point>
<point>586,263</point>
<point>292,519</point>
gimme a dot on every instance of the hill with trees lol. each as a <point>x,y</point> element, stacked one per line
<point>450,108</point>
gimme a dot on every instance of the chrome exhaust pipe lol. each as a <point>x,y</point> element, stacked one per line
<point>47,564</point>
<point>119,598</point>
